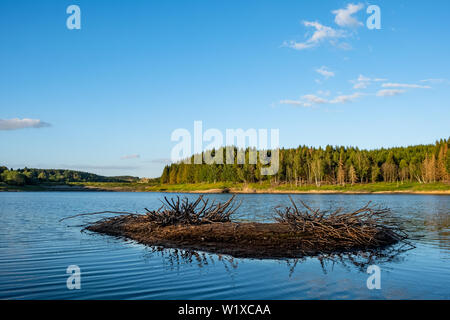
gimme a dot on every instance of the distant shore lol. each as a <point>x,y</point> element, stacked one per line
<point>436,192</point>
<point>241,188</point>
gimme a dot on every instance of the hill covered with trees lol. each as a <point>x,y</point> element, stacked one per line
<point>29,176</point>
<point>332,165</point>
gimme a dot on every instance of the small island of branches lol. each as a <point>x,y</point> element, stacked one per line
<point>298,230</point>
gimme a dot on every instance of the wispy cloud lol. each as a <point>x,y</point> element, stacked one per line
<point>389,92</point>
<point>395,89</point>
<point>388,89</point>
<point>404,85</point>
<point>361,85</point>
<point>325,72</point>
<point>363,82</point>
<point>16,124</point>
<point>346,98</point>
<point>324,93</point>
<point>130,156</point>
<point>322,33</point>
<point>310,100</point>
<point>434,81</point>
<point>159,160</point>
<point>344,17</point>
<point>296,103</point>
<point>313,99</point>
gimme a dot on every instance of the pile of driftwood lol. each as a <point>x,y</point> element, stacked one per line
<point>184,212</point>
<point>365,227</point>
<point>298,230</point>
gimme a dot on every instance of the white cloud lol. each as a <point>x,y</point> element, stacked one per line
<point>360,85</point>
<point>159,161</point>
<point>363,78</point>
<point>323,93</point>
<point>321,33</point>
<point>325,72</point>
<point>130,156</point>
<point>341,45</point>
<point>344,17</point>
<point>363,82</point>
<point>309,100</point>
<point>314,99</point>
<point>346,98</point>
<point>296,103</point>
<point>16,124</point>
<point>434,81</point>
<point>299,45</point>
<point>404,85</point>
<point>398,88</point>
<point>389,92</point>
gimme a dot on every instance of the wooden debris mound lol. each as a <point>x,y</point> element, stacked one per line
<point>208,226</point>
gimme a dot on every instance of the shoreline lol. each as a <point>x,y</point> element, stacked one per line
<point>80,188</point>
<point>232,191</point>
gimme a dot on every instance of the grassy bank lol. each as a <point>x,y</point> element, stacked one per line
<point>380,187</point>
<point>268,188</point>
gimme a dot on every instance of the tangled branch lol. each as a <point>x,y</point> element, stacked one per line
<point>200,211</point>
<point>364,227</point>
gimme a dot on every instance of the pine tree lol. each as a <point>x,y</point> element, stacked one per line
<point>341,172</point>
<point>352,175</point>
<point>441,172</point>
<point>165,175</point>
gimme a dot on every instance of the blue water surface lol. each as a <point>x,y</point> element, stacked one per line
<point>36,249</point>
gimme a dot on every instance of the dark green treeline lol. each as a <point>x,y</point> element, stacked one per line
<point>330,165</point>
<point>31,176</point>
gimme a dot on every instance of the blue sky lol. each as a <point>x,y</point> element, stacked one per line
<point>106,98</point>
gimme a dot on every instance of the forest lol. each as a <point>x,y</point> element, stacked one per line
<point>27,176</point>
<point>332,165</point>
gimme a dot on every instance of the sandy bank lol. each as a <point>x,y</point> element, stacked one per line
<point>272,191</point>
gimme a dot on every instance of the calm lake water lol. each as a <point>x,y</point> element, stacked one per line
<point>36,249</point>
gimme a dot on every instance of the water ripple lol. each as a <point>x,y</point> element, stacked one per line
<point>35,251</point>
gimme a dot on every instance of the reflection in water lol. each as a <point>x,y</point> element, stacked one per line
<point>361,260</point>
<point>439,225</point>
<point>173,259</point>
<point>432,228</point>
